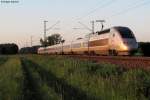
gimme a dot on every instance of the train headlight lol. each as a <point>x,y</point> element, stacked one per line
<point>124,47</point>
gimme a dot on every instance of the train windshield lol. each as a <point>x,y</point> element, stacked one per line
<point>125,33</point>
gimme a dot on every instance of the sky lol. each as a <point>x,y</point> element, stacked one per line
<point>20,21</point>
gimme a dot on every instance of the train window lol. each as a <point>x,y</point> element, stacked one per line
<point>77,45</point>
<point>125,33</point>
<point>85,44</point>
<point>67,46</point>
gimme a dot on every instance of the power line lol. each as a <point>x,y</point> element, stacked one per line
<point>131,8</point>
<point>53,25</point>
<point>97,8</point>
<point>85,26</point>
<point>47,29</point>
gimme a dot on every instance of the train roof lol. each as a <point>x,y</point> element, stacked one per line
<point>121,28</point>
<point>108,30</point>
<point>103,31</point>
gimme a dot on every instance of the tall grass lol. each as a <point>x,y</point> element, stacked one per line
<point>11,80</point>
<point>103,81</point>
<point>35,87</point>
<point>3,59</point>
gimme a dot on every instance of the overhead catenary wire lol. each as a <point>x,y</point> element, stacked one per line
<point>111,2</point>
<point>135,6</point>
<point>85,26</point>
<point>53,26</point>
<point>97,8</point>
<point>106,4</point>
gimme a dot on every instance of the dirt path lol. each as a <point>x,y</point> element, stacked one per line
<point>30,89</point>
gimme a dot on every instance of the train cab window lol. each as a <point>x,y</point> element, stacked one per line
<point>125,33</point>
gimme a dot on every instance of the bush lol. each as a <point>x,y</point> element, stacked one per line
<point>8,48</point>
<point>145,48</point>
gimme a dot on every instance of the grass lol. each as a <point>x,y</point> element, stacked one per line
<point>61,87</point>
<point>11,80</point>
<point>36,77</point>
<point>34,87</point>
<point>104,82</point>
<point>3,60</point>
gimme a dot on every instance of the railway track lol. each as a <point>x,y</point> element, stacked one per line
<point>122,61</point>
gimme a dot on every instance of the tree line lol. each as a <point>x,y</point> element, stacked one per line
<point>8,49</point>
<point>144,48</point>
<point>49,41</point>
<point>52,40</point>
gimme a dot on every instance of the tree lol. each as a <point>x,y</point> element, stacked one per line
<point>145,48</point>
<point>62,41</point>
<point>43,43</point>
<point>8,48</point>
<point>51,40</point>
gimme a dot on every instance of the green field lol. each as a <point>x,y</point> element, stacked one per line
<point>37,77</point>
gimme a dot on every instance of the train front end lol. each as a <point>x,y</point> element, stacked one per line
<point>129,44</point>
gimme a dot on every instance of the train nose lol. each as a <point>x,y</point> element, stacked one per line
<point>130,45</point>
<point>124,47</point>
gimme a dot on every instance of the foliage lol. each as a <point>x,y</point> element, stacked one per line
<point>98,81</point>
<point>11,80</point>
<point>8,48</point>
<point>34,86</point>
<point>52,40</point>
<point>145,48</point>
<point>38,77</point>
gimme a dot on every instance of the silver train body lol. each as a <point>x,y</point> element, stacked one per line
<point>114,41</point>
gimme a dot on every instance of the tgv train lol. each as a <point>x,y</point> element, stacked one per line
<point>113,41</point>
